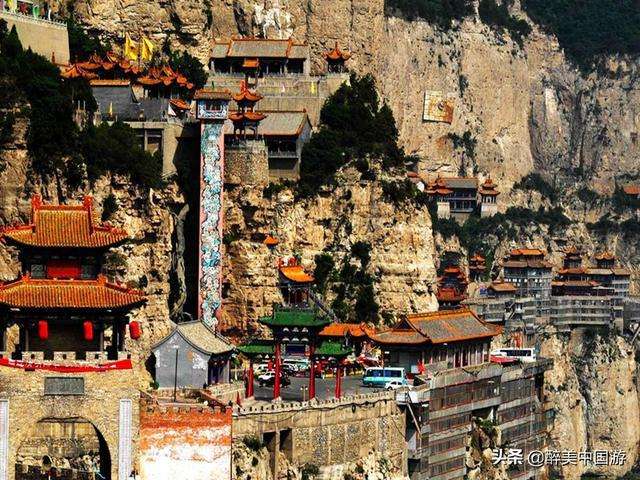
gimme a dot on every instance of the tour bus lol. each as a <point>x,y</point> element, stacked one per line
<point>379,376</point>
<point>522,354</point>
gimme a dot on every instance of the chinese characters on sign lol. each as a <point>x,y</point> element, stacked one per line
<point>537,458</point>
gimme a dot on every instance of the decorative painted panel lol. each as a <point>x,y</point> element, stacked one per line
<point>124,439</point>
<point>211,151</point>
<point>212,111</point>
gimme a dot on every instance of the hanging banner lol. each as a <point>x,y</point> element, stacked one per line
<point>78,368</point>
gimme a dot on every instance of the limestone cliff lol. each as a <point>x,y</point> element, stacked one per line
<point>400,237</point>
<point>593,388</point>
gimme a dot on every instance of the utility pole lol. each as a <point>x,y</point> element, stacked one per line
<point>175,378</point>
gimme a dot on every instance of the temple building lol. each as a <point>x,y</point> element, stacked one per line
<point>488,198</point>
<point>459,197</point>
<point>336,59</point>
<point>294,281</point>
<point>452,287</point>
<point>64,352</point>
<point>356,335</point>
<point>456,338</point>
<point>254,58</point>
<point>61,301</point>
<point>281,69</point>
<point>477,267</point>
<point>530,273</point>
<point>192,356</point>
<point>245,117</point>
<point>457,386</point>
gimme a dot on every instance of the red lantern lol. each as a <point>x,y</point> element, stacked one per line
<point>134,330</point>
<point>87,328</point>
<point>43,329</point>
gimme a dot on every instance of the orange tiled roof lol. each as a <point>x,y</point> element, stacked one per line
<point>526,252</point>
<point>450,294</point>
<point>179,104</point>
<point>246,95</point>
<point>489,188</point>
<point>502,287</point>
<point>250,116</point>
<point>63,226</point>
<point>437,327</point>
<point>30,293</point>
<point>75,71</point>
<point>296,273</point>
<point>605,256</point>
<point>110,82</point>
<point>336,54</point>
<point>356,330</point>
<point>632,190</point>
<point>270,241</point>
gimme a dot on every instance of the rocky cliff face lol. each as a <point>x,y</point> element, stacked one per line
<point>526,106</point>
<point>593,387</point>
<point>400,237</point>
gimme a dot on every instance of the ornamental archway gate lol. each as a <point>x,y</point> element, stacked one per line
<point>63,448</point>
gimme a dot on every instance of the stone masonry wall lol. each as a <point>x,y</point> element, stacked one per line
<point>100,405</point>
<point>247,165</point>
<point>329,433</point>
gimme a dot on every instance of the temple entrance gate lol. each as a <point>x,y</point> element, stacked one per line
<point>63,448</point>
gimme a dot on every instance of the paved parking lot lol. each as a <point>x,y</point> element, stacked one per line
<point>351,385</point>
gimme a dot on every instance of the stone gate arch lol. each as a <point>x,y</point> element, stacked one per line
<point>70,447</point>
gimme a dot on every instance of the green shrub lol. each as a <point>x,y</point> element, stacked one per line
<point>109,207</point>
<point>535,181</point>
<point>324,266</point>
<point>6,127</point>
<point>588,29</point>
<point>498,17</point>
<point>81,45</point>
<point>189,66</point>
<point>115,148</point>
<point>309,470</point>
<point>439,12</point>
<point>353,127</point>
<point>253,443</point>
<point>467,142</point>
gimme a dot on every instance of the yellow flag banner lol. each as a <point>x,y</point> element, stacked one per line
<point>131,48</point>
<point>146,49</point>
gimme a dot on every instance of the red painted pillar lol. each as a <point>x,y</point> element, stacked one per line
<point>250,380</point>
<point>338,392</point>
<point>276,382</point>
<point>312,371</point>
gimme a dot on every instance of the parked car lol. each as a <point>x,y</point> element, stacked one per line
<point>395,384</point>
<point>260,369</point>
<point>268,379</point>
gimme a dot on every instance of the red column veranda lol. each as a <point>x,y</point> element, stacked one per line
<point>276,381</point>
<point>338,392</point>
<point>250,380</point>
<point>312,371</point>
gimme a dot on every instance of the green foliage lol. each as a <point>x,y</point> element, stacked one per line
<point>353,126</point>
<point>324,266</point>
<point>353,286</point>
<point>587,29</point>
<point>588,196</point>
<point>109,207</point>
<point>253,443</point>
<point>275,188</point>
<point>114,148</point>
<point>189,66</point>
<point>208,14</point>
<point>535,181</point>
<point>439,12</point>
<point>6,127</point>
<point>467,142</point>
<point>482,235</point>
<point>498,17</point>
<point>622,202</point>
<point>309,471</point>
<point>81,45</point>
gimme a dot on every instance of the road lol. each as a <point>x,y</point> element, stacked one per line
<point>324,388</point>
